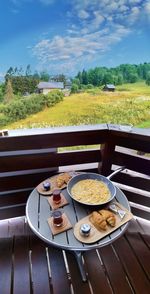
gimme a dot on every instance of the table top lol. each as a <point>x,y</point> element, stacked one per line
<point>38,211</point>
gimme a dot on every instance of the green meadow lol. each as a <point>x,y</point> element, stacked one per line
<point>130,103</point>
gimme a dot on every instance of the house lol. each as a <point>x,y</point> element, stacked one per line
<point>68,84</point>
<point>46,87</point>
<point>109,87</point>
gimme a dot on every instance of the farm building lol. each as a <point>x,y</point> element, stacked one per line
<point>68,84</point>
<point>109,87</point>
<point>46,87</point>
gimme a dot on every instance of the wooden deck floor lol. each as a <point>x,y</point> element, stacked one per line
<point>27,265</point>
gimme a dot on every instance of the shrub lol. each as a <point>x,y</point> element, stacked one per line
<point>15,110</point>
<point>74,88</point>
<point>2,107</point>
<point>53,97</point>
<point>22,107</point>
<point>34,103</point>
<point>89,86</point>
<point>3,120</point>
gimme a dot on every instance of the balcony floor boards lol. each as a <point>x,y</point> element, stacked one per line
<point>27,265</point>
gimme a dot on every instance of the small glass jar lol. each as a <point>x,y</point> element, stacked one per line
<point>46,186</point>
<point>85,230</point>
<point>57,196</point>
<point>57,218</point>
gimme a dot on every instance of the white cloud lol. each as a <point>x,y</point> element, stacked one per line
<point>62,51</point>
<point>83,14</point>
<point>101,24</point>
<point>147,8</point>
<point>98,19</point>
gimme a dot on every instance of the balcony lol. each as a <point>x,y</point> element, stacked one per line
<point>28,157</point>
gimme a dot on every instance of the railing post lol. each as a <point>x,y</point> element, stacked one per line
<point>107,150</point>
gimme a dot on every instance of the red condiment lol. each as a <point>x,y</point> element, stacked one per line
<point>57,196</point>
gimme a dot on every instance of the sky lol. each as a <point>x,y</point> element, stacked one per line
<point>67,36</point>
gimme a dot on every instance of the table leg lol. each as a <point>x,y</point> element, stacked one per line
<point>78,256</point>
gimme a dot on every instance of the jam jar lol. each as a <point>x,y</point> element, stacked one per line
<point>46,186</point>
<point>57,196</point>
<point>85,230</point>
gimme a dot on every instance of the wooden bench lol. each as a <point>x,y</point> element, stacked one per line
<point>28,265</point>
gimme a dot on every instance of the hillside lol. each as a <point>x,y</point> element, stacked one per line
<point>130,103</point>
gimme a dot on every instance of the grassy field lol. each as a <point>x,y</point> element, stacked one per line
<point>130,103</point>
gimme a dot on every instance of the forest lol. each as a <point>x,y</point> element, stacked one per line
<point>25,81</point>
<point>124,73</point>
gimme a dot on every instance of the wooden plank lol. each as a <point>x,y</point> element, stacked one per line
<point>77,283</point>
<point>141,213</point>
<point>145,225</point>
<point>16,197</point>
<point>137,198</point>
<point>16,227</point>
<point>115,271</point>
<point>141,251</point>
<point>131,266</point>
<point>53,140</point>
<point>131,140</point>
<point>24,179</point>
<point>96,273</point>
<point>4,229</point>
<point>26,162</point>
<point>39,272</point>
<point>6,261</point>
<point>132,162</point>
<point>8,212</point>
<point>6,245</point>
<point>134,227</point>
<point>133,180</point>
<point>107,150</point>
<point>46,160</point>
<point>142,228</point>
<point>59,277</point>
<point>22,279</point>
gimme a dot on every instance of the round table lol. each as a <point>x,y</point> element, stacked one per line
<point>38,211</point>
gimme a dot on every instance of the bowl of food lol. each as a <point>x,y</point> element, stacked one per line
<point>91,189</point>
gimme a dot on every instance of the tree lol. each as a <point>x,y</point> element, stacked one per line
<point>2,92</point>
<point>108,78</point>
<point>23,84</point>
<point>44,76</point>
<point>28,70</point>
<point>119,79</point>
<point>74,88</point>
<point>8,92</point>
<point>9,73</point>
<point>132,77</point>
<point>79,77</point>
<point>76,81</point>
<point>36,75</point>
<point>84,77</point>
<point>148,79</point>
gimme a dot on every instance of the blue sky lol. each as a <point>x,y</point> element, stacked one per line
<point>65,36</point>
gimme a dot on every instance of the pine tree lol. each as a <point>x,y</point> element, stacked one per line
<point>8,92</point>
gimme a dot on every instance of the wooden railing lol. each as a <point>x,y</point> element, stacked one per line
<point>30,157</point>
